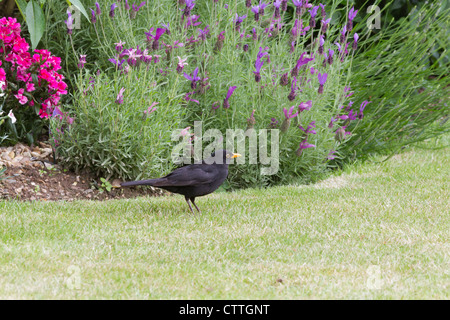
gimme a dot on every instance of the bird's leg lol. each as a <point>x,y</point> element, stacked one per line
<point>190,207</point>
<point>193,201</point>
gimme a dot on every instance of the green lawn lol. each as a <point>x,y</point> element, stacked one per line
<point>379,230</point>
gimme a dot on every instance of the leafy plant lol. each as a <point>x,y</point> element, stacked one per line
<point>105,185</point>
<point>34,16</point>
<point>29,82</point>
<point>275,77</point>
<point>407,88</point>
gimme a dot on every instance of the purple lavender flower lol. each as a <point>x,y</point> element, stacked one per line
<point>351,15</point>
<point>303,145</point>
<point>82,61</point>
<point>262,53</point>
<point>313,13</point>
<point>325,25</point>
<point>341,133</point>
<point>251,121</point>
<point>219,44</point>
<point>167,27</point>
<point>284,80</point>
<point>321,43</point>
<point>203,33</point>
<point>194,78</point>
<point>262,6</point>
<point>343,37</point>
<point>187,98</point>
<point>97,9</point>
<point>322,79</point>
<point>245,47</point>
<point>277,4</point>
<point>111,12</point>
<point>309,129</point>
<point>238,20</point>
<point>355,41</point>
<point>254,35</point>
<point>127,6</point>
<point>303,61</point>
<point>255,10</point>
<point>352,115</point>
<point>293,44</point>
<point>69,23</point>
<point>332,121</point>
<point>322,10</point>
<point>133,56</point>
<point>305,106</point>
<point>331,155</point>
<point>298,29</point>
<point>151,109</point>
<point>339,47</point>
<point>289,114</point>
<point>273,123</point>
<point>362,107</point>
<point>330,56</point>
<point>300,62</point>
<point>215,105</point>
<point>119,99</point>
<point>159,32</point>
<point>119,46</point>
<point>284,4</point>
<point>248,3</point>
<point>117,63</point>
<point>189,6</point>
<point>181,64</point>
<point>226,105</point>
<point>292,94</point>
<point>258,65</point>
<point>192,21</point>
<point>298,5</point>
<point>93,17</point>
<point>135,10</point>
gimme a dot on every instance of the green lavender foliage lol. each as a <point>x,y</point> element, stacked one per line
<point>404,71</point>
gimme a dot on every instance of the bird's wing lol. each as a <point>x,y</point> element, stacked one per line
<point>189,176</point>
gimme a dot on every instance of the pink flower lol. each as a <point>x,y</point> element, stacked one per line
<point>119,99</point>
<point>15,51</point>
<point>2,74</point>
<point>151,108</point>
<point>22,99</point>
<point>185,131</point>
<point>30,86</point>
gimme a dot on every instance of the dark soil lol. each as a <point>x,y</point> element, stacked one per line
<point>37,182</point>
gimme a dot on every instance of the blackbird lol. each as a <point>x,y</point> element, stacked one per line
<point>193,180</point>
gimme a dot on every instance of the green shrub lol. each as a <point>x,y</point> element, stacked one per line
<point>405,72</point>
<point>117,139</point>
<point>103,134</point>
<point>101,137</point>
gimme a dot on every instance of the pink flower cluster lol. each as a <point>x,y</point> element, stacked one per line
<point>18,65</point>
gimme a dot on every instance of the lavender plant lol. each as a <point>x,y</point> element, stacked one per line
<point>218,63</point>
<point>199,70</point>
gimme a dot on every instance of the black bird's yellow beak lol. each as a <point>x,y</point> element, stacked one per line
<point>235,155</point>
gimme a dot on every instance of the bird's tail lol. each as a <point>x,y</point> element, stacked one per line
<point>138,183</point>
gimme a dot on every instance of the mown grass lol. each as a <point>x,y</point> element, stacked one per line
<point>378,230</point>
